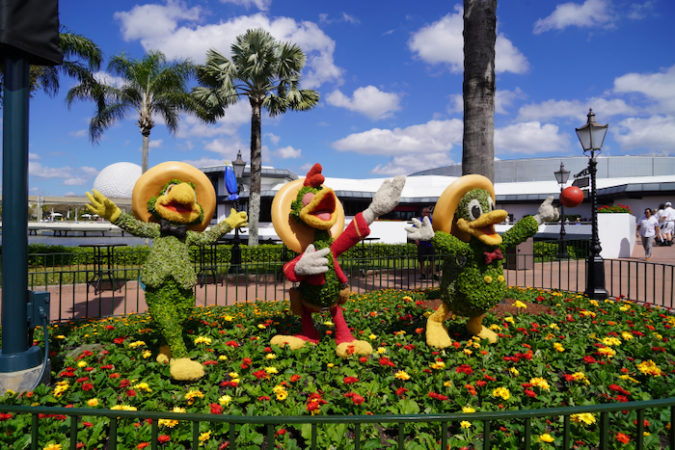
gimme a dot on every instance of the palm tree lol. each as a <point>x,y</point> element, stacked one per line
<point>480,23</point>
<point>268,73</point>
<point>81,57</point>
<point>150,86</point>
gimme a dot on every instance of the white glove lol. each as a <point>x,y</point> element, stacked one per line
<point>420,231</point>
<point>385,199</point>
<point>312,262</point>
<point>547,212</point>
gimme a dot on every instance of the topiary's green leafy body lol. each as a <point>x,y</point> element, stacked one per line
<point>324,295</point>
<point>469,286</point>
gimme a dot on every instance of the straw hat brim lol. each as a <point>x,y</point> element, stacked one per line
<point>295,234</point>
<point>153,180</point>
<point>444,211</point>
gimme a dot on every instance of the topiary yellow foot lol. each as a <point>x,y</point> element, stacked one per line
<point>437,334</point>
<point>164,354</point>
<point>185,369</point>
<point>292,342</point>
<point>476,327</point>
<point>355,347</point>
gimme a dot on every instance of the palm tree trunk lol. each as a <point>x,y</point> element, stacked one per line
<point>480,35</point>
<point>256,169</point>
<point>144,151</point>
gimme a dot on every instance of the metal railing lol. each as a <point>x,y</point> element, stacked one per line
<point>268,425</point>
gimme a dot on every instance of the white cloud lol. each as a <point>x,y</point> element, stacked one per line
<point>289,152</point>
<point>530,138</point>
<point>657,87</point>
<point>262,5</point>
<point>155,143</point>
<point>434,136</point>
<point>226,148</point>
<point>78,133</point>
<point>192,40</point>
<point>206,162</point>
<point>235,116</point>
<point>504,99</point>
<point>573,109</point>
<point>367,100</point>
<point>405,164</point>
<point>656,133</point>
<point>71,176</point>
<point>591,13</point>
<point>442,42</point>
<point>274,139</point>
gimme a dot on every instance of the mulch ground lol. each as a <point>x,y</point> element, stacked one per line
<point>506,308</point>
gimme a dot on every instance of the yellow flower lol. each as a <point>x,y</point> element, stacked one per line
<point>438,365</point>
<point>624,308</point>
<point>500,278</point>
<point>509,319</point>
<point>123,408</point>
<point>649,368</point>
<point>558,347</point>
<point>136,344</point>
<point>495,327</point>
<point>143,387</point>
<point>61,387</point>
<point>402,375</point>
<point>514,371</point>
<point>328,323</point>
<point>52,447</point>
<point>606,351</point>
<point>611,341</point>
<point>60,336</point>
<point>467,352</point>
<point>468,410</point>
<point>271,370</point>
<point>233,375</point>
<point>203,340</point>
<point>372,336</point>
<point>205,436</point>
<point>628,377</point>
<point>554,326</point>
<point>222,358</point>
<point>465,424</point>
<point>82,364</point>
<point>330,365</point>
<point>540,383</point>
<point>594,303</point>
<point>282,395</point>
<point>502,392</point>
<point>546,438</point>
<point>626,335</point>
<point>580,376</point>
<point>381,350</point>
<point>406,298</point>
<point>225,400</point>
<point>520,305</point>
<point>92,402</point>
<point>488,279</point>
<point>169,423</point>
<point>190,396</point>
<point>583,418</point>
<point>270,356</point>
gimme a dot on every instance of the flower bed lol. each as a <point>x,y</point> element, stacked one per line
<point>574,351</point>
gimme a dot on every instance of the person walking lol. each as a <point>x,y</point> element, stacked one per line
<point>647,228</point>
<point>668,224</point>
<point>661,218</point>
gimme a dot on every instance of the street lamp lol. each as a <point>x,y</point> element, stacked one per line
<point>561,177</point>
<point>238,168</point>
<point>591,136</point>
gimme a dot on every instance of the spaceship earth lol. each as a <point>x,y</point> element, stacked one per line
<point>117,180</point>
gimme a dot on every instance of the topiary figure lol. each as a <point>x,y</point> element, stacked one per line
<point>173,203</point>
<point>472,282</point>
<point>309,219</point>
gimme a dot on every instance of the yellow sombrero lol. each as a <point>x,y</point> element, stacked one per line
<point>150,183</point>
<point>444,211</point>
<point>296,235</point>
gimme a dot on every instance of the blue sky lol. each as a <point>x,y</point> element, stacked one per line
<point>389,74</point>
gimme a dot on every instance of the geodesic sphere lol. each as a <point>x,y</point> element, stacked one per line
<point>117,180</point>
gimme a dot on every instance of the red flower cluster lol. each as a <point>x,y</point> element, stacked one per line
<point>386,362</point>
<point>314,402</point>
<point>464,368</point>
<point>436,396</point>
<point>246,363</point>
<point>356,398</point>
<point>351,380</point>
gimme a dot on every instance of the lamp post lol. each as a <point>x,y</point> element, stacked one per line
<point>591,136</point>
<point>561,177</point>
<point>238,168</point>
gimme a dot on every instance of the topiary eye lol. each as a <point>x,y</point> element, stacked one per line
<point>491,203</point>
<point>169,188</point>
<point>475,210</point>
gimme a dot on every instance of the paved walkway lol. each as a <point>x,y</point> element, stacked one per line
<point>652,282</point>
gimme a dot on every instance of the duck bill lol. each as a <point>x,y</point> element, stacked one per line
<point>320,212</point>
<point>179,205</point>
<point>483,228</point>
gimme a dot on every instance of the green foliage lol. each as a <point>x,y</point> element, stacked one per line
<point>618,208</point>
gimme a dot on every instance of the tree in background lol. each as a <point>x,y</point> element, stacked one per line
<point>150,86</point>
<point>268,73</point>
<point>480,35</point>
<point>80,58</point>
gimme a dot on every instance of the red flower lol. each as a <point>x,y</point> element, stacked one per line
<point>260,374</point>
<point>357,399</point>
<point>464,368</point>
<point>401,391</point>
<point>263,398</point>
<point>81,379</point>
<point>351,380</point>
<point>163,438</point>
<point>124,383</point>
<point>363,359</point>
<point>588,359</point>
<point>114,375</point>
<point>280,432</point>
<point>233,344</point>
<point>619,389</point>
<point>386,362</point>
<point>107,367</point>
<point>530,393</point>
<point>131,393</point>
<point>87,386</point>
<point>5,416</point>
<point>623,438</point>
<point>436,396</point>
<point>142,445</point>
<point>87,424</point>
<point>216,408</point>
<point>295,378</point>
<point>118,340</point>
<point>109,327</point>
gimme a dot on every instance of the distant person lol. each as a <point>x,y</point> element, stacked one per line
<point>647,228</point>
<point>425,251</point>
<point>661,217</point>
<point>577,221</point>
<point>668,224</point>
